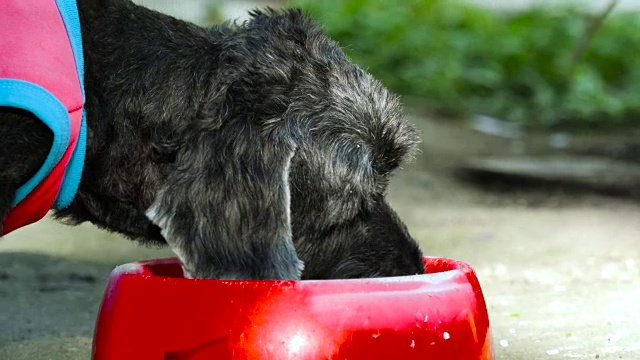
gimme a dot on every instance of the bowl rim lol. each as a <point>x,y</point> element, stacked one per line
<point>141,270</point>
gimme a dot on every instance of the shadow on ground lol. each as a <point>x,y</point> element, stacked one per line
<point>49,306</point>
<point>48,296</point>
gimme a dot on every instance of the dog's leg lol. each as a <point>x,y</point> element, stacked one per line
<point>25,142</point>
<point>225,210</point>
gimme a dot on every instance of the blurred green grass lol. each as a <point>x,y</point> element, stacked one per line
<point>519,67</point>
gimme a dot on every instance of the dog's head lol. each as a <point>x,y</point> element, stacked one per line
<point>290,161</point>
<point>350,136</point>
<point>354,139</point>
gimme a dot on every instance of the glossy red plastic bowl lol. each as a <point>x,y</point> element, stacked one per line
<point>150,311</point>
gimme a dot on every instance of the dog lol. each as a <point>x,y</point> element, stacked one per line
<point>255,150</point>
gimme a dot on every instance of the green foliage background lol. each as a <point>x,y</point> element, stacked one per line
<point>462,59</point>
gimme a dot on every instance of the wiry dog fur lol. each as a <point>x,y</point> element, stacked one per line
<point>255,151</point>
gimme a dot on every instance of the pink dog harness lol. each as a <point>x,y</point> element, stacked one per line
<point>42,71</point>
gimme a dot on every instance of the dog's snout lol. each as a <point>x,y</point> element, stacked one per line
<point>373,244</point>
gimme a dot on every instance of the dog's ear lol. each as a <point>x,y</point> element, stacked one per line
<point>373,116</point>
<point>224,210</point>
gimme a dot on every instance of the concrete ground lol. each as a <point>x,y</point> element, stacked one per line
<point>560,268</point>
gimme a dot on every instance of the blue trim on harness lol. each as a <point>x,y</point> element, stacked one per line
<point>43,104</point>
<point>73,173</point>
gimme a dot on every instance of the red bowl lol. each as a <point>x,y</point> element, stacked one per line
<point>150,311</point>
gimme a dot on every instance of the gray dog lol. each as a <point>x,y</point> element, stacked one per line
<point>255,151</point>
